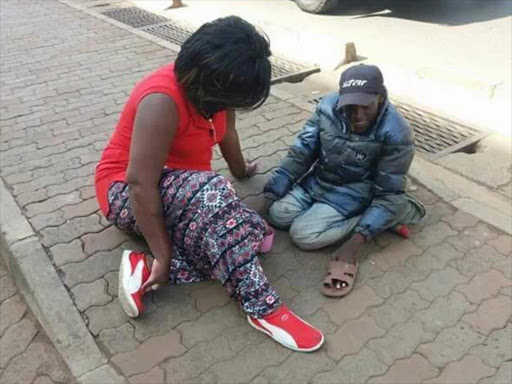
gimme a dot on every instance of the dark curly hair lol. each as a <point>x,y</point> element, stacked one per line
<point>225,65</point>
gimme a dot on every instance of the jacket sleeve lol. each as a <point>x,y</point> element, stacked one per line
<point>301,156</point>
<point>389,200</point>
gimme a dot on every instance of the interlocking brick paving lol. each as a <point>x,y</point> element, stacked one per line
<point>420,309</point>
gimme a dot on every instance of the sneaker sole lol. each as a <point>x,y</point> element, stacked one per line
<point>126,300</point>
<point>283,344</point>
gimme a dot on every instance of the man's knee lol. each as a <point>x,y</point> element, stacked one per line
<point>304,237</point>
<point>280,214</point>
<point>309,234</point>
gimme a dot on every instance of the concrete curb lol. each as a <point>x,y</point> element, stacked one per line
<point>472,198</point>
<point>44,292</point>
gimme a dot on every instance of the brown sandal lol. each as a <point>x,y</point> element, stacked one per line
<point>341,273</point>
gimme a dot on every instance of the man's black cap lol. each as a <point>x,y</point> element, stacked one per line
<point>360,85</point>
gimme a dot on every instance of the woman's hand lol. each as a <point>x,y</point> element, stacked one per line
<point>251,167</point>
<point>232,153</point>
<point>160,270</point>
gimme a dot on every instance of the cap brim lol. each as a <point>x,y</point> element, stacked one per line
<point>356,99</point>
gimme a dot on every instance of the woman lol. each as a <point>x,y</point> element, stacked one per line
<point>155,178</point>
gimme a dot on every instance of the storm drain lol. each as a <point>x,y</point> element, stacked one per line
<point>170,31</point>
<point>436,136</point>
<point>282,70</point>
<point>134,17</point>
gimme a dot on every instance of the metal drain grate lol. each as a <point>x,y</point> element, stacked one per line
<point>434,135</point>
<point>282,70</point>
<point>170,31</point>
<point>134,17</point>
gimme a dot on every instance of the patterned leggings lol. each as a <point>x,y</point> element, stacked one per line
<point>214,235</point>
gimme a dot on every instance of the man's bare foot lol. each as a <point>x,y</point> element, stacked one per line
<point>346,258</point>
<point>347,254</point>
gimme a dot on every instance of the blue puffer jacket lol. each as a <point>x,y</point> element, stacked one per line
<point>355,174</point>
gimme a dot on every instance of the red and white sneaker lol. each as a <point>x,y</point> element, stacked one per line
<point>289,330</point>
<point>133,272</point>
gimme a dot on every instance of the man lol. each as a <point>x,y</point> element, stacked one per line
<point>345,175</point>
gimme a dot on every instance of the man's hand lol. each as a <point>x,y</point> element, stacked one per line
<point>160,270</point>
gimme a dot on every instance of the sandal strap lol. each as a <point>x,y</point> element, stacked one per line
<point>340,271</point>
<point>340,268</point>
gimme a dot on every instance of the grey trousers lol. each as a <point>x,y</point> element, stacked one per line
<point>314,225</point>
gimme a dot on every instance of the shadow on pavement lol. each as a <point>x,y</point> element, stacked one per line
<point>446,12</point>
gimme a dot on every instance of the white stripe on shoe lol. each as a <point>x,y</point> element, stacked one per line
<point>134,282</point>
<point>281,336</point>
<point>125,298</point>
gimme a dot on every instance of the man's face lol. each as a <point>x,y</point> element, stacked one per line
<point>361,116</point>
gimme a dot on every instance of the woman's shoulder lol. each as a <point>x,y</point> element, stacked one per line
<point>163,81</point>
<point>162,77</point>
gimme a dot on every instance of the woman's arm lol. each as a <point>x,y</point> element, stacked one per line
<point>155,124</point>
<point>231,151</point>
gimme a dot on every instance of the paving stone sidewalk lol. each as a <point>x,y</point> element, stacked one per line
<point>26,353</point>
<point>433,309</point>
